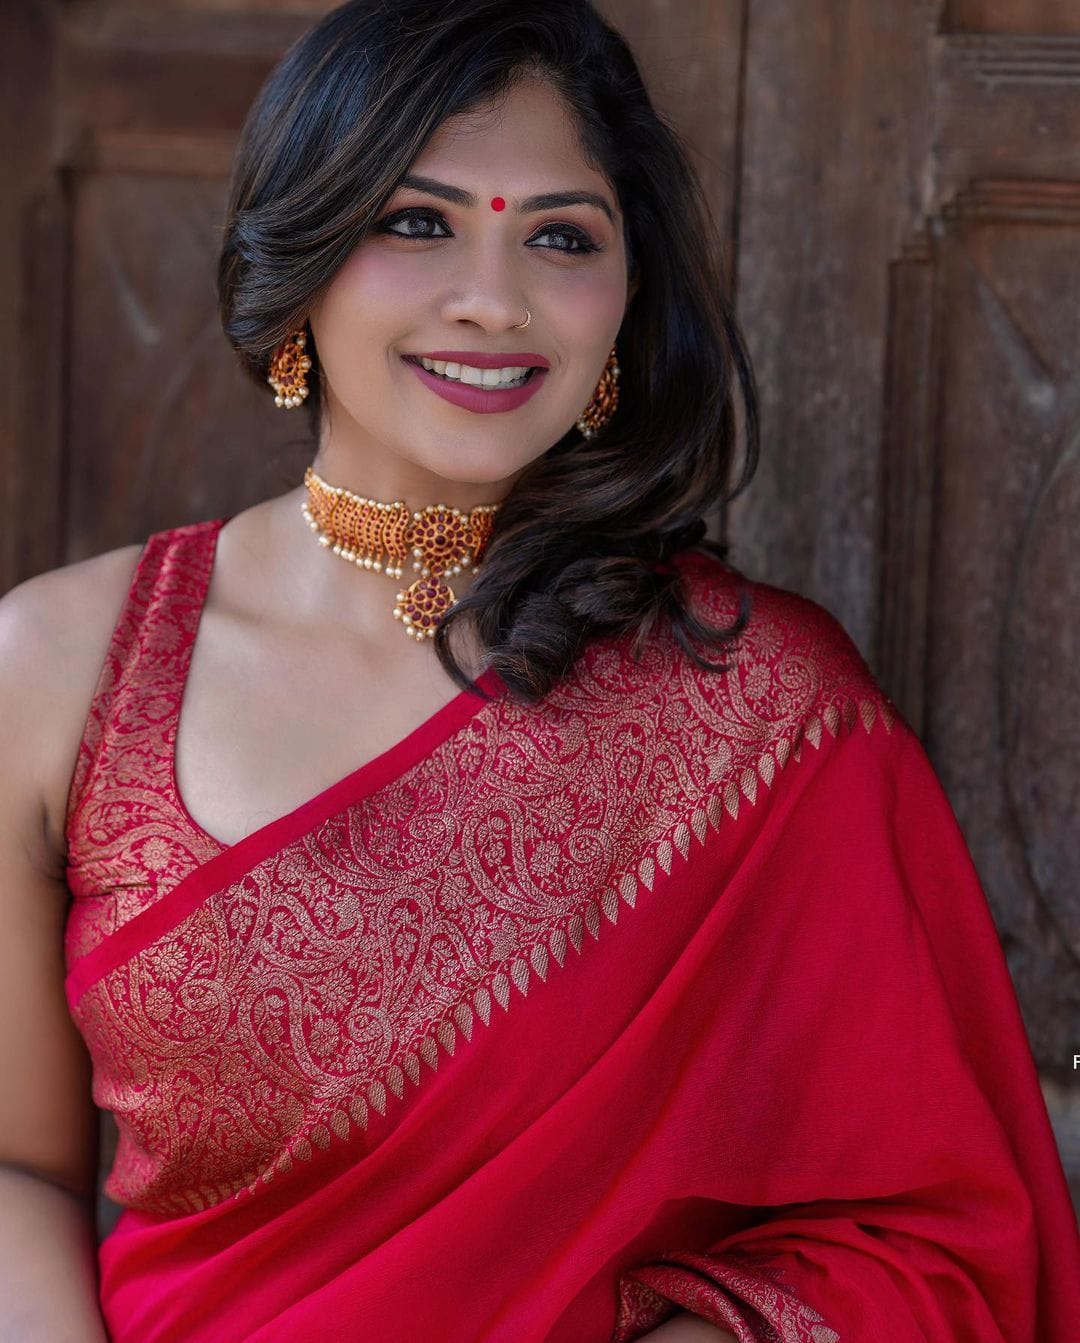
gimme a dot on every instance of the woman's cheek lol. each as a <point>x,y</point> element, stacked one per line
<point>592,301</point>
<point>375,280</point>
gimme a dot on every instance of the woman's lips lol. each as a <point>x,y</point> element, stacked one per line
<point>483,400</point>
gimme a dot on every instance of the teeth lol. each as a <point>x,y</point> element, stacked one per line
<point>477,377</point>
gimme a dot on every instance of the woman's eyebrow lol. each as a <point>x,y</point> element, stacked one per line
<point>550,200</point>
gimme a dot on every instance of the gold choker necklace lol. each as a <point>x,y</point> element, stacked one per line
<point>377,536</point>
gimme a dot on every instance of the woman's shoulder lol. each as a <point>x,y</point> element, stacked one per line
<point>65,617</point>
<point>709,723</point>
<point>55,630</point>
<point>59,620</point>
<point>793,659</point>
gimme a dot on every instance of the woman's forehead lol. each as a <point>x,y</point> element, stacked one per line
<point>517,162</point>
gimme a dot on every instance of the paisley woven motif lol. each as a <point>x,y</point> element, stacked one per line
<point>279,1012</point>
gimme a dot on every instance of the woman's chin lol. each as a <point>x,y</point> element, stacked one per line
<point>471,459</point>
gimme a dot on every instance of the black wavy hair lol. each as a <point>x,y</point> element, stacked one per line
<point>582,542</point>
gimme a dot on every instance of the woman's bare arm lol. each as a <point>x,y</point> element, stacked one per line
<point>48,1280</point>
<point>48,1122</point>
<point>686,1327</point>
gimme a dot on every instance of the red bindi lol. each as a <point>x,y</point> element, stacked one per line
<point>497,203</point>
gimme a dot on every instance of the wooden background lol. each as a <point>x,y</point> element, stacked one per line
<point>898,182</point>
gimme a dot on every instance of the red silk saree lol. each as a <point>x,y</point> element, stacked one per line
<point>677,990</point>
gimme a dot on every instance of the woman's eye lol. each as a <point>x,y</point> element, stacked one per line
<point>581,242</point>
<point>412,217</point>
<point>574,235</point>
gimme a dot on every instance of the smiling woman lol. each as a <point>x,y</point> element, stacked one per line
<point>563,987</point>
<point>423,269</point>
<point>394,197</point>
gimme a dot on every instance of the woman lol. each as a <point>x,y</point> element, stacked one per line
<point>563,939</point>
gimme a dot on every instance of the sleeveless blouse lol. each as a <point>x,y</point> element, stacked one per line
<point>675,990</point>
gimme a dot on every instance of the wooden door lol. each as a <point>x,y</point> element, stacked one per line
<point>897,184</point>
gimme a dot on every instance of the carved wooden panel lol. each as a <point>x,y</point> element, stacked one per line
<point>1001,633</point>
<point>978,634</point>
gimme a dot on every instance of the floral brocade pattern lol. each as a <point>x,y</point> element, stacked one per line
<point>268,1021</point>
<point>127,837</point>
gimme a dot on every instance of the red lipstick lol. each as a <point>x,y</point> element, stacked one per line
<point>482,400</point>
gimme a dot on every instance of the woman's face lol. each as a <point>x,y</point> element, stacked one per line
<point>438,275</point>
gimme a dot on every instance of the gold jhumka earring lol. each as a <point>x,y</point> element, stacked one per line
<point>288,371</point>
<point>604,400</point>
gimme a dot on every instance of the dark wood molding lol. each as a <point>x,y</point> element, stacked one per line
<point>907,477</point>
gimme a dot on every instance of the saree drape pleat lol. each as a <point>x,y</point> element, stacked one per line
<point>676,990</point>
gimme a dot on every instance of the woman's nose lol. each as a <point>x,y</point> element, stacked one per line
<point>487,289</point>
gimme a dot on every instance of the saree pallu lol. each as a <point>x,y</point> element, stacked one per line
<point>676,991</point>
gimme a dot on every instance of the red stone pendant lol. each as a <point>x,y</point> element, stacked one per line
<point>422,605</point>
